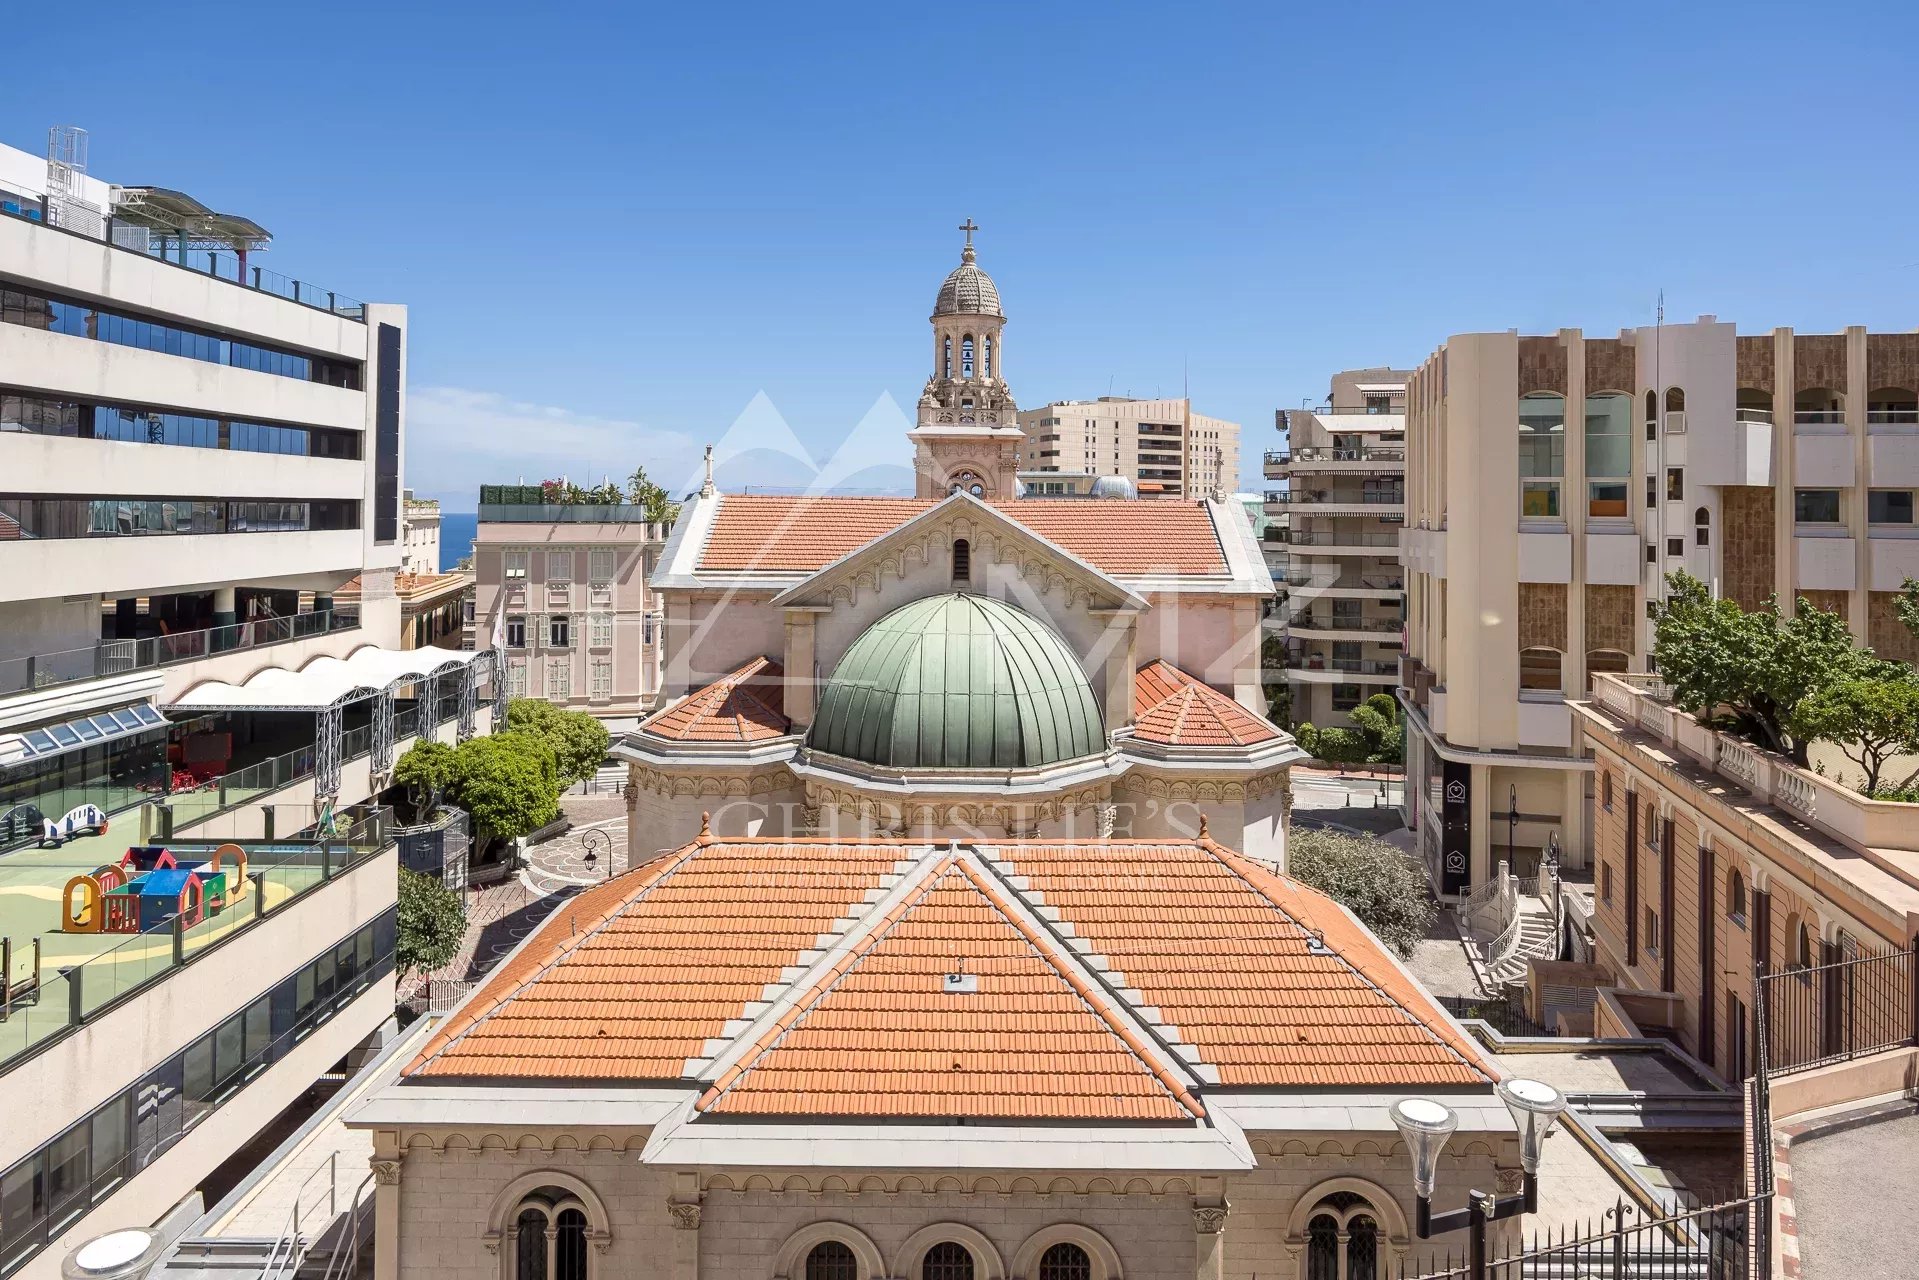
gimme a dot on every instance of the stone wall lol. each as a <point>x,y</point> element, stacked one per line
<point>1542,365</point>
<point>1542,615</point>
<point>1748,557</point>
<point>1753,359</point>
<point>1819,360</point>
<point>1609,366</point>
<point>1839,602</point>
<point>1885,633</point>
<point>1892,360</point>
<point>1609,619</point>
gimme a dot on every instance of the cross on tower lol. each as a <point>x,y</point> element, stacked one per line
<point>969,227</point>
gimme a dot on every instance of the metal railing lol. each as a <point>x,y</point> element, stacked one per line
<point>1321,538</point>
<point>114,657</point>
<point>1839,1010</point>
<point>1818,417</point>
<point>1338,453</point>
<point>1367,626</point>
<point>1298,497</point>
<point>1347,666</point>
<point>1889,417</point>
<point>215,264</point>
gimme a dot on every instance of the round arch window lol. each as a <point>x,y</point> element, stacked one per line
<point>831,1260</point>
<point>1065,1261</point>
<point>947,1260</point>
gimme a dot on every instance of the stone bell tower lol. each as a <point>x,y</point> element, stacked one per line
<point>968,435</point>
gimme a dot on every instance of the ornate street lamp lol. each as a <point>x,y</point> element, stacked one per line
<point>1425,1125</point>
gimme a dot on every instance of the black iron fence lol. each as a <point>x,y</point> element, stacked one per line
<point>1844,1008</point>
<point>1709,1243</point>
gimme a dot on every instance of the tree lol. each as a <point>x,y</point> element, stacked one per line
<point>1907,606</point>
<point>509,783</point>
<point>1377,721</point>
<point>1871,719</point>
<point>642,492</point>
<point>1385,888</point>
<point>579,741</point>
<point>426,771</point>
<point>432,924</point>
<point>1755,666</point>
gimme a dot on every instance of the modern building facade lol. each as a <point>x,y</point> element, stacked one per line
<point>196,454</point>
<point>1341,590</point>
<point>561,594</point>
<point>1766,463</point>
<point>1162,446</point>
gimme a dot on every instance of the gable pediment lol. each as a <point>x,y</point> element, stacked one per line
<point>993,538</point>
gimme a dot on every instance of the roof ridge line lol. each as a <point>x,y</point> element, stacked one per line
<point>804,1003</point>
<point>574,943</point>
<point>1071,975</point>
<point>1227,857</point>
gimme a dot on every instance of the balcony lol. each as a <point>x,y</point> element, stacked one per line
<point>1334,543</point>
<point>117,657</point>
<point>1326,458</point>
<point>1372,630</point>
<point>1313,668</point>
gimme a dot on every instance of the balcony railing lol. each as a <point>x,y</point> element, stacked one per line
<point>216,264</point>
<point>1329,453</point>
<point>115,657</point>
<point>1890,417</point>
<point>1818,417</point>
<point>1307,578</point>
<point>1346,666</point>
<point>1369,626</point>
<point>1303,497</point>
<point>1320,538</point>
<point>570,513</point>
<point>1752,414</point>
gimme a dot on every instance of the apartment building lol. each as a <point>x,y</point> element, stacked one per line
<point>561,592</point>
<point>420,541</point>
<point>1764,463</point>
<point>1162,446</point>
<point>196,454</point>
<point>1335,559</point>
<point>1715,856</point>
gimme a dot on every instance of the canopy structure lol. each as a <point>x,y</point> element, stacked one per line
<point>325,685</point>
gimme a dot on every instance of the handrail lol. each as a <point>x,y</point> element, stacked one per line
<point>1295,497</point>
<point>347,1243</point>
<point>115,657</point>
<point>284,1258</point>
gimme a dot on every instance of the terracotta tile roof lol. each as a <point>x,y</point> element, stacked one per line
<point>638,979</point>
<point>746,705</point>
<point>631,978</point>
<point>879,1035</point>
<point>772,533</point>
<point>1222,949</point>
<point>1172,707</point>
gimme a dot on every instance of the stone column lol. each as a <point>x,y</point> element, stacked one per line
<point>386,1207</point>
<point>684,1206</point>
<point>1116,672</point>
<point>1209,1229</point>
<point>799,661</point>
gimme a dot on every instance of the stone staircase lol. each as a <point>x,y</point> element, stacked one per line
<point>1533,940</point>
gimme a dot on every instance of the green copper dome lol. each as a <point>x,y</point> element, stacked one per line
<point>958,682</point>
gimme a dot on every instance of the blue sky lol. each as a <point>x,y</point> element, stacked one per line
<point>620,228</point>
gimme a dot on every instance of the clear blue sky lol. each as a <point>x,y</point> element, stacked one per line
<point>618,225</point>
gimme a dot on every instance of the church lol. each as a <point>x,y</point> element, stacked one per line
<point>968,953</point>
<point>965,663</point>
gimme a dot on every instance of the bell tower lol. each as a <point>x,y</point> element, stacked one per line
<point>967,437</point>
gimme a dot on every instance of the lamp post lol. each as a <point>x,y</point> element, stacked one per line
<point>1425,1125</point>
<point>603,841</point>
<point>1512,824</point>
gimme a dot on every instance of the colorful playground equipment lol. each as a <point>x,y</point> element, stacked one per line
<point>81,820</point>
<point>150,888</point>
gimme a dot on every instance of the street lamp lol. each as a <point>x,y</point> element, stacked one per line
<point>1425,1125</point>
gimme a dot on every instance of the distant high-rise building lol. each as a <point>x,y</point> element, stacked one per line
<point>1161,446</point>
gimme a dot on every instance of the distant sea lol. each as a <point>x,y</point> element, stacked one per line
<point>457,531</point>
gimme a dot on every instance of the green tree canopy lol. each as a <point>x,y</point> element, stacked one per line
<point>1871,719</point>
<point>642,492</point>
<point>432,923</point>
<point>426,771</point>
<point>509,783</point>
<point>1385,888</point>
<point>1757,666</point>
<point>577,739</point>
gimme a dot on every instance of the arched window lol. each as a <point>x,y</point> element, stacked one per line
<point>1608,453</point>
<point>1065,1261</point>
<point>1542,454</point>
<point>1801,937</point>
<point>946,361</point>
<point>1701,527</point>
<point>966,356</point>
<point>550,1237</point>
<point>986,362</point>
<point>1736,897</point>
<point>1605,661</point>
<point>1819,405</point>
<point>1891,404</point>
<point>1675,400</point>
<point>962,560</point>
<point>1342,1239</point>
<point>1539,669</point>
<point>947,1260</point>
<point>831,1260</point>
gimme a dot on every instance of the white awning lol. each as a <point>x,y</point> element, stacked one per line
<point>324,681</point>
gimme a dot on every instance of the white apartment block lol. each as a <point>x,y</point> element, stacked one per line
<point>1775,462</point>
<point>1164,448</point>
<point>420,535</point>
<point>1335,556</point>
<point>195,454</point>
<point>561,594</point>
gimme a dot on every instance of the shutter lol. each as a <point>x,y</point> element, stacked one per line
<point>1632,879</point>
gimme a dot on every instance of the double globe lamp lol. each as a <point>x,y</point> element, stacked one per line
<point>1425,1125</point>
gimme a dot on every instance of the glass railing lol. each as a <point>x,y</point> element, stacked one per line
<point>1316,538</point>
<point>114,657</point>
<point>567,513</point>
<point>1348,453</point>
<point>1818,417</point>
<point>219,264</point>
<point>1300,497</point>
<point>278,873</point>
<point>1888,417</point>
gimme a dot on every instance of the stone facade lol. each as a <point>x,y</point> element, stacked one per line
<point>1887,635</point>
<point>1609,618</point>
<point>1753,358</point>
<point>1542,615</point>
<point>1542,365</point>
<point>1838,602</point>
<point>1819,360</point>
<point>1747,529</point>
<point>1609,366</point>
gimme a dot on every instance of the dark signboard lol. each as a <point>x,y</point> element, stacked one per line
<point>1456,821</point>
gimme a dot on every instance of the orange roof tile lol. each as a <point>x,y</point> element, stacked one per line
<point>746,705</point>
<point>1172,707</point>
<point>772,533</point>
<point>1223,950</point>
<point>879,1035</point>
<point>631,978</point>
